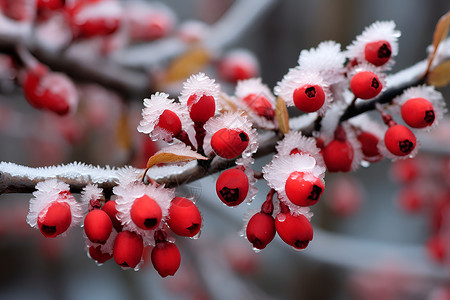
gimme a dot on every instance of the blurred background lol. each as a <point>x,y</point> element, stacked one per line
<point>375,229</point>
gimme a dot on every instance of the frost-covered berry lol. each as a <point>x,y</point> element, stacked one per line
<point>418,112</point>
<point>53,209</point>
<point>295,231</point>
<point>365,85</point>
<point>378,52</point>
<point>166,258</point>
<point>128,249</point>
<point>94,18</point>
<point>260,105</point>
<point>238,65</point>
<point>184,217</point>
<point>110,208</point>
<point>260,230</point>
<point>170,122</point>
<point>146,213</point>
<point>369,146</point>
<point>232,186</point>
<point>229,143</point>
<point>303,189</point>
<point>96,253</point>
<point>97,226</point>
<point>51,91</point>
<point>201,108</point>
<point>338,156</point>
<point>55,220</point>
<point>399,140</point>
<point>309,98</point>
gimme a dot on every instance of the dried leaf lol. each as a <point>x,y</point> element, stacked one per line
<point>440,76</point>
<point>123,135</point>
<point>167,157</point>
<point>224,98</point>
<point>440,33</point>
<point>282,115</point>
<point>185,65</point>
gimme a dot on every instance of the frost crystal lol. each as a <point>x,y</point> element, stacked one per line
<point>295,140</point>
<point>380,30</point>
<point>254,86</point>
<point>154,107</point>
<point>427,92</point>
<point>327,59</point>
<point>232,121</point>
<point>126,196</point>
<point>199,84</point>
<point>278,170</point>
<point>47,192</point>
<point>296,78</point>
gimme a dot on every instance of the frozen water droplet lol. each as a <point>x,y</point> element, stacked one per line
<point>197,236</point>
<point>256,249</point>
<point>365,164</point>
<point>281,217</point>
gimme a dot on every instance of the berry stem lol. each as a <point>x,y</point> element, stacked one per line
<point>200,134</point>
<point>160,236</point>
<point>267,206</point>
<point>387,118</point>
<point>184,137</point>
<point>340,134</point>
<point>284,208</point>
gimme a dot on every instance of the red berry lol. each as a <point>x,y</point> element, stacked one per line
<point>378,52</point>
<point>303,189</point>
<point>96,254</point>
<point>184,217</point>
<point>229,143</point>
<point>410,199</point>
<point>295,231</point>
<point>365,85</point>
<point>260,105</point>
<point>369,146</point>
<point>338,156</point>
<point>436,248</point>
<point>97,226</point>
<point>170,122</point>
<point>146,213</point>
<point>418,112</point>
<point>309,98</point>
<point>405,170</point>
<point>110,208</point>
<point>128,249</point>
<point>260,230</point>
<point>51,91</point>
<point>56,220</point>
<point>166,258</point>
<point>233,69</point>
<point>202,110</point>
<point>399,140</point>
<point>232,187</point>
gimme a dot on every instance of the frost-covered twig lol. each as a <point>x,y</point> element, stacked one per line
<point>124,72</point>
<point>13,178</point>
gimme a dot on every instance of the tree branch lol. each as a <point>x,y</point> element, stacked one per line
<point>21,179</point>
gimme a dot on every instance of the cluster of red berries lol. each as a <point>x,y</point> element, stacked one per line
<point>112,232</point>
<point>104,26</point>
<point>431,197</point>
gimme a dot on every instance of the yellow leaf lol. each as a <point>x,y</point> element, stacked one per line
<point>123,135</point>
<point>440,76</point>
<point>188,63</point>
<point>440,33</point>
<point>167,157</point>
<point>282,115</point>
<point>224,98</point>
